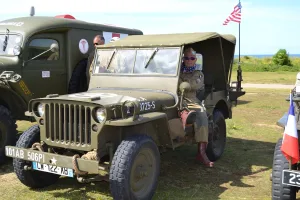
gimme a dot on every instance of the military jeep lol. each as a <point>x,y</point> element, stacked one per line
<point>40,56</point>
<point>285,176</point>
<point>117,129</point>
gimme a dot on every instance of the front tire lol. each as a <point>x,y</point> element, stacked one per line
<point>280,163</point>
<point>78,82</point>
<point>8,131</point>
<point>135,169</point>
<point>217,137</point>
<point>31,178</point>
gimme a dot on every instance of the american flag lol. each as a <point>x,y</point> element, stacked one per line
<point>235,16</point>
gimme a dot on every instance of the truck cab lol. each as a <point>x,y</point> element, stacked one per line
<point>40,56</point>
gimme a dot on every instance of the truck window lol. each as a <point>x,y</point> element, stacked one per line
<point>38,46</point>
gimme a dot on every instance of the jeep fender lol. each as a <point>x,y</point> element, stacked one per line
<point>13,102</point>
<point>223,106</point>
<point>154,124</point>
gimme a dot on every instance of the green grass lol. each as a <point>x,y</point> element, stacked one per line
<point>262,70</point>
<point>288,78</point>
<point>252,64</point>
<point>242,172</point>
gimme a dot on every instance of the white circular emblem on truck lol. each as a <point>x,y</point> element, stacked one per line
<point>83,46</point>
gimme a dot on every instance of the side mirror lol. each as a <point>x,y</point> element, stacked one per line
<point>17,50</point>
<point>54,47</point>
<point>185,86</point>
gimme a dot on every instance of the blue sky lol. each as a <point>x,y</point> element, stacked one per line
<point>267,25</point>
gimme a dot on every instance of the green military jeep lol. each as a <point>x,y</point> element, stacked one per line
<point>117,129</point>
<point>42,55</point>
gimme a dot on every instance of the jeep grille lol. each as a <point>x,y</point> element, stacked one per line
<point>68,124</point>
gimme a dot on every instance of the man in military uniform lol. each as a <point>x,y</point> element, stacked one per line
<point>190,74</point>
<point>98,40</point>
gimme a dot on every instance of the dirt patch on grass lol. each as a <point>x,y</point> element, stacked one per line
<point>269,125</point>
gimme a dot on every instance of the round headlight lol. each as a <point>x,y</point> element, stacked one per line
<point>17,50</point>
<point>41,109</point>
<point>100,114</point>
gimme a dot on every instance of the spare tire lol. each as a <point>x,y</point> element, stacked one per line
<point>78,82</point>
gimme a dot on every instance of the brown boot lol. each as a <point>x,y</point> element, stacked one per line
<point>201,156</point>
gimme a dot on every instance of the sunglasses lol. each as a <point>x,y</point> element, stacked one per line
<point>189,58</point>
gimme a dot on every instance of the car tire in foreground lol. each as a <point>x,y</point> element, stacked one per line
<point>280,163</point>
<point>8,131</point>
<point>135,169</point>
<point>31,178</point>
<point>217,137</point>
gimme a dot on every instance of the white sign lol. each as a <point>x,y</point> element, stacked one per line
<point>83,46</point>
<point>109,35</point>
<point>92,95</point>
<point>45,74</point>
<point>87,95</point>
<point>11,23</point>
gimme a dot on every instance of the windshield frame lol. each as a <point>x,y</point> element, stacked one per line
<point>2,32</point>
<point>178,62</point>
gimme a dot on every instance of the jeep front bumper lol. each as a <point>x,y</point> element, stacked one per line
<point>51,159</point>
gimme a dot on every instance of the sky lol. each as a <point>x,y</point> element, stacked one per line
<point>266,25</point>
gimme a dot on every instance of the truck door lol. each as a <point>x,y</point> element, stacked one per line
<point>45,74</point>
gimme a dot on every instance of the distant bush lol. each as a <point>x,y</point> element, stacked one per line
<point>282,58</point>
<point>267,64</point>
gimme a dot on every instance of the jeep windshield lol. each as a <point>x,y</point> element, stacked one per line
<point>160,61</point>
<point>7,45</point>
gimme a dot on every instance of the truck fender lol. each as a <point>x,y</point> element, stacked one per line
<point>13,102</point>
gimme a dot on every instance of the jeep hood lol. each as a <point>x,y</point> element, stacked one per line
<point>107,97</point>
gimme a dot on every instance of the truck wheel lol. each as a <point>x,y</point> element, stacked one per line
<point>217,137</point>
<point>78,82</point>
<point>280,191</point>
<point>135,169</point>
<point>31,178</point>
<point>8,131</point>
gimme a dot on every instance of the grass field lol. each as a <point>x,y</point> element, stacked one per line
<point>242,173</point>
<point>288,78</point>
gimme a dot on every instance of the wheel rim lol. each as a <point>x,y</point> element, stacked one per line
<point>218,137</point>
<point>143,172</point>
<point>3,129</point>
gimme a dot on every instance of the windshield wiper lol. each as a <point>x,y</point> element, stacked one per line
<point>5,40</point>
<point>152,55</point>
<point>112,56</point>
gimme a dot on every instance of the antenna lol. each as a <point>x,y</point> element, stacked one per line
<point>32,11</point>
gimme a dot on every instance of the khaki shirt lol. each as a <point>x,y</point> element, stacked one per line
<point>196,79</point>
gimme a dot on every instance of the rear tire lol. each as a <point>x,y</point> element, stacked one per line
<point>78,82</point>
<point>280,191</point>
<point>135,169</point>
<point>8,131</point>
<point>217,137</point>
<point>31,178</point>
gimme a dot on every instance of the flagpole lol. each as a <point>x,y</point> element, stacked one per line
<point>239,72</point>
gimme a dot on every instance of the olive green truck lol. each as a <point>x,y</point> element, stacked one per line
<point>41,56</point>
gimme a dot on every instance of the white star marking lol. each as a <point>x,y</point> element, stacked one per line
<point>53,161</point>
